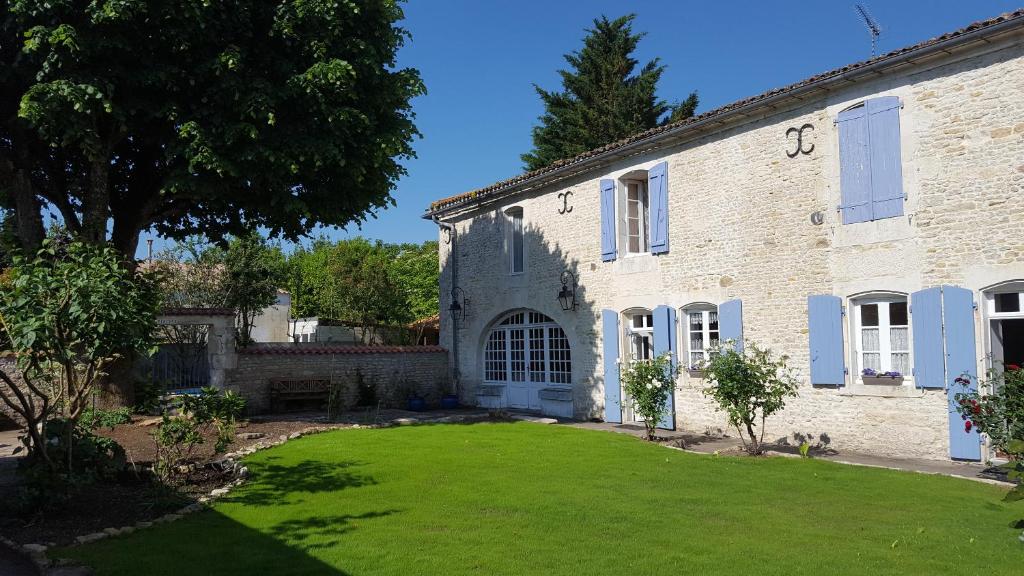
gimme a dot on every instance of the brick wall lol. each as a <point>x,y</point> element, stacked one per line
<point>739,227</point>
<point>394,371</point>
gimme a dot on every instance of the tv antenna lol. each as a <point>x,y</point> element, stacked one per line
<point>871,24</point>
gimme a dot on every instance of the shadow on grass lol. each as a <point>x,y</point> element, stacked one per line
<point>277,483</point>
<point>212,543</point>
<point>321,531</point>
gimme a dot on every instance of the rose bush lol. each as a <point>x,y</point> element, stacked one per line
<point>648,385</point>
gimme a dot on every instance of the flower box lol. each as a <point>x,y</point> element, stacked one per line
<point>880,380</point>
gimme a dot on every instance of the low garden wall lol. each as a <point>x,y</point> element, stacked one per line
<point>8,367</point>
<point>393,373</point>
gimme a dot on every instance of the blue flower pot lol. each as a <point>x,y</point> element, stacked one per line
<point>449,402</point>
<point>417,404</point>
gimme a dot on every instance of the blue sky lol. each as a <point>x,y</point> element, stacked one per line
<point>480,59</point>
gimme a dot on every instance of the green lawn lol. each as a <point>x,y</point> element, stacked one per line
<point>532,499</point>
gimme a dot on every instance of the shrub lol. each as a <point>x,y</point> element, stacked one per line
<point>177,436</point>
<point>648,385</point>
<point>69,313</point>
<point>176,439</point>
<point>749,386</point>
<point>998,414</point>
<point>93,418</point>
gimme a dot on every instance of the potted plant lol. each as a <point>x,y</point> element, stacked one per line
<point>874,377</point>
<point>416,403</point>
<point>449,402</point>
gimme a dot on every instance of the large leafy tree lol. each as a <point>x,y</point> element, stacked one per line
<point>363,281</point>
<point>209,117</point>
<point>603,97</point>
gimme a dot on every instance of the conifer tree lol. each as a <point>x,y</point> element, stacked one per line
<point>602,99</point>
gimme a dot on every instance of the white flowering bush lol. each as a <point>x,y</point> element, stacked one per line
<point>648,385</point>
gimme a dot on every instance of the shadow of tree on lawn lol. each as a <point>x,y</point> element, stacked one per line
<point>321,531</point>
<point>281,483</point>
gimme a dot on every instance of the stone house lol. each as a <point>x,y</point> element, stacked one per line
<point>867,220</point>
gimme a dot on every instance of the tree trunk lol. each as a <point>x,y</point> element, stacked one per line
<point>95,205</point>
<point>28,213</point>
<point>755,446</point>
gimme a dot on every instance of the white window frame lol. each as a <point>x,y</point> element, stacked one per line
<point>705,310</point>
<point>554,355</point>
<point>884,327</point>
<point>645,332</point>
<point>514,215</point>
<point>643,214</point>
<point>990,316</point>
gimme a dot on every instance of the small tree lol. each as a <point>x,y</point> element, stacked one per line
<point>648,385</point>
<point>252,271</point>
<point>749,386</point>
<point>69,313</point>
<point>999,414</point>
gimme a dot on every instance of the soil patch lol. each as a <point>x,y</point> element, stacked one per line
<point>134,497</point>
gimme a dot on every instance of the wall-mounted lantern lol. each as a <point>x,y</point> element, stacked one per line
<point>567,295</point>
<point>458,305</point>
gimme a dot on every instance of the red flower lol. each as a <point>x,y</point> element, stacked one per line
<point>976,409</point>
<point>968,425</point>
<point>1012,367</point>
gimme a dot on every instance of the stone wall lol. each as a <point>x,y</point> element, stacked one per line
<point>739,227</point>
<point>394,371</point>
<point>8,367</point>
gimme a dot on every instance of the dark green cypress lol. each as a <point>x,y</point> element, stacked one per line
<point>602,99</point>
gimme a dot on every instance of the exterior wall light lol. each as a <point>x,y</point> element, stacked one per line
<point>567,295</point>
<point>458,305</point>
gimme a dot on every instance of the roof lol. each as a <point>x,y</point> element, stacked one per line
<point>197,312</point>
<point>305,348</point>
<point>717,117</point>
<point>428,322</point>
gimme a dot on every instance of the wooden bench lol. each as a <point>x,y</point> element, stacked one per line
<point>284,391</point>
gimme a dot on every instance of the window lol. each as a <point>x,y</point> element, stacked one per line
<point>871,172</point>
<point>516,256</point>
<point>1005,314</point>
<point>701,332</point>
<point>527,347</point>
<point>882,335</point>
<point>637,214</point>
<point>640,334</point>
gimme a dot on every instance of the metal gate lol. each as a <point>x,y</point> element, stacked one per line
<point>181,367</point>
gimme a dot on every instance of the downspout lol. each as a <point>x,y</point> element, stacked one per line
<point>455,277</point>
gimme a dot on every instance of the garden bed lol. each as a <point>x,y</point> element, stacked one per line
<point>134,497</point>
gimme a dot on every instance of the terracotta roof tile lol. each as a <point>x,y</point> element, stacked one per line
<point>487,191</point>
<point>304,349</point>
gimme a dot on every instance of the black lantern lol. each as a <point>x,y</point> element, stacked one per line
<point>457,307</point>
<point>567,295</point>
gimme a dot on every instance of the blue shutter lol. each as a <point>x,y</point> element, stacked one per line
<point>961,358</point>
<point>657,187</point>
<point>607,220</point>
<point>886,166</point>
<point>926,323</point>
<point>854,165</point>
<point>612,389</point>
<point>665,341</point>
<point>730,322</point>
<point>825,333</point>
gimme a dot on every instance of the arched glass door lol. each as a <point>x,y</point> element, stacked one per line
<point>526,352</point>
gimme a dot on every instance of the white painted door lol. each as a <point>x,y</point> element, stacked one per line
<point>526,352</point>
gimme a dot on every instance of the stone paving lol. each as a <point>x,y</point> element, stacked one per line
<point>711,444</point>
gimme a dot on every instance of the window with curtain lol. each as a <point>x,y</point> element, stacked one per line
<point>882,334</point>
<point>701,332</point>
